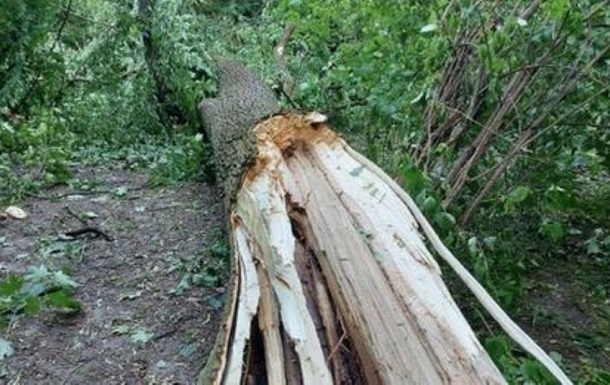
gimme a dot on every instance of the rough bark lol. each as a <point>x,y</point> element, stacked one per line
<point>243,100</point>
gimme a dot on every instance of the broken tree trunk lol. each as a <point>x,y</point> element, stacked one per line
<point>332,282</point>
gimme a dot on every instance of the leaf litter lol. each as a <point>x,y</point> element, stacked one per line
<point>125,257</point>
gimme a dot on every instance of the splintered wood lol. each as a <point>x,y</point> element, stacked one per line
<point>333,282</point>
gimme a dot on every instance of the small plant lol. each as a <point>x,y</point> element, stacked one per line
<point>206,272</point>
<point>418,185</point>
<point>178,162</point>
<point>598,246</point>
<point>498,268</point>
<point>516,368</point>
<point>29,294</point>
<point>138,334</point>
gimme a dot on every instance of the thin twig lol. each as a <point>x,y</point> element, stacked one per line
<point>81,192</point>
<point>64,21</point>
<point>89,230</point>
<point>286,79</point>
<point>177,325</point>
<point>336,347</point>
<point>85,230</point>
<point>458,175</point>
<point>530,10</point>
<point>530,134</point>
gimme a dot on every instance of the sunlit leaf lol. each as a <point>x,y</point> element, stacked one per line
<point>121,329</point>
<point>552,229</point>
<point>37,273</point>
<point>519,194</point>
<point>64,280</point>
<point>141,336</point>
<point>593,246</point>
<point>429,28</point>
<point>6,350</point>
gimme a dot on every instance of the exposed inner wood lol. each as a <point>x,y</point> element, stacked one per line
<point>335,276</point>
<point>332,281</point>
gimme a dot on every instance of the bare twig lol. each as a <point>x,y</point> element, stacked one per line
<point>87,19</point>
<point>286,79</point>
<point>532,132</point>
<point>448,97</point>
<point>62,25</point>
<point>85,230</point>
<point>89,230</point>
<point>458,176</point>
<point>82,192</point>
<point>453,88</point>
<point>530,10</point>
<point>177,325</point>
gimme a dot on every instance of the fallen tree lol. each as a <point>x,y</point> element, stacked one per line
<point>332,281</point>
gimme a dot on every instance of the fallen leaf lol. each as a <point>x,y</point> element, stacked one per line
<point>90,214</point>
<point>15,212</point>
<point>6,349</point>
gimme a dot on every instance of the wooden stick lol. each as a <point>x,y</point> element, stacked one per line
<point>286,80</point>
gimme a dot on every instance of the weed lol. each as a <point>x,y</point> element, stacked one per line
<point>37,290</point>
<point>207,272</point>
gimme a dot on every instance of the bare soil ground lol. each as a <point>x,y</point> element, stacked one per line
<point>570,313</point>
<point>141,322</point>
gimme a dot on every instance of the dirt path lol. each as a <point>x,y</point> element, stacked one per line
<point>151,296</point>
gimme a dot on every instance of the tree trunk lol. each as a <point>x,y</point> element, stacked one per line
<point>167,109</point>
<point>332,282</point>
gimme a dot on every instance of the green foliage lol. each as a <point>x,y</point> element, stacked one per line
<point>517,370</point>
<point>499,267</point>
<point>198,271</point>
<point>77,87</point>
<point>378,70</point>
<point>99,105</point>
<point>418,185</point>
<point>366,65</point>
<point>27,55</point>
<point>39,289</point>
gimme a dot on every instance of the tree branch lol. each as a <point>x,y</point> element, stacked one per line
<point>286,80</point>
